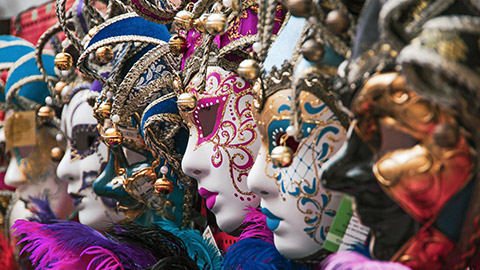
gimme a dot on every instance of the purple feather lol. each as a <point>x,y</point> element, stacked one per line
<point>350,260</point>
<point>256,223</point>
<point>43,211</point>
<point>55,245</point>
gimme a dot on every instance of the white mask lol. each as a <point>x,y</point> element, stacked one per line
<point>83,161</point>
<point>222,146</point>
<point>299,210</point>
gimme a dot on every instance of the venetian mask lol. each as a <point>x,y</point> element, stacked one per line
<point>84,159</point>
<point>222,146</point>
<point>32,171</point>
<point>31,135</point>
<point>410,149</point>
<point>299,210</point>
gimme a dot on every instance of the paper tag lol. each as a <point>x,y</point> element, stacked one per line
<point>20,129</point>
<point>346,230</point>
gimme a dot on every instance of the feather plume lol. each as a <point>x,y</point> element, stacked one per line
<point>254,253</point>
<point>42,210</point>
<point>70,243</point>
<point>167,242</point>
<point>7,259</point>
<point>256,226</point>
<point>350,260</point>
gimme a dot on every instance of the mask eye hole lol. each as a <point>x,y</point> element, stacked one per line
<point>84,137</point>
<point>208,119</point>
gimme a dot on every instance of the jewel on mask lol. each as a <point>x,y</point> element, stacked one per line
<point>187,102</point>
<point>48,100</point>
<point>249,69</point>
<point>59,137</point>
<point>116,118</point>
<point>66,42</point>
<point>257,47</point>
<point>216,24</point>
<point>63,61</point>
<point>104,55</point>
<point>56,154</point>
<point>313,50</point>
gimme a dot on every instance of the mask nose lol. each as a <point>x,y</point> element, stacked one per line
<point>257,180</point>
<point>15,176</point>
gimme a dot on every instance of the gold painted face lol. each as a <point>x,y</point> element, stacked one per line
<point>422,156</point>
<point>33,155</point>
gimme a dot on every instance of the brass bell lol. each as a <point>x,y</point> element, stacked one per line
<point>63,61</point>
<point>104,54</point>
<point>178,44</point>
<point>59,87</point>
<point>282,156</point>
<point>112,137</point>
<point>216,24</point>
<point>201,23</point>
<point>104,109</point>
<point>337,21</point>
<point>184,20</point>
<point>56,154</point>
<point>312,50</point>
<point>249,69</point>
<point>163,186</point>
<point>299,8</point>
<point>45,113</point>
<point>187,102</point>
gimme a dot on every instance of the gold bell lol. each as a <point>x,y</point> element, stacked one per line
<point>184,20</point>
<point>249,69</point>
<point>112,137</point>
<point>63,61</point>
<point>178,44</point>
<point>312,50</point>
<point>59,87</point>
<point>45,113</point>
<point>187,102</point>
<point>282,156</point>
<point>216,24</point>
<point>104,54</point>
<point>104,109</point>
<point>299,8</point>
<point>56,154</point>
<point>201,23</point>
<point>337,21</point>
<point>163,186</point>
